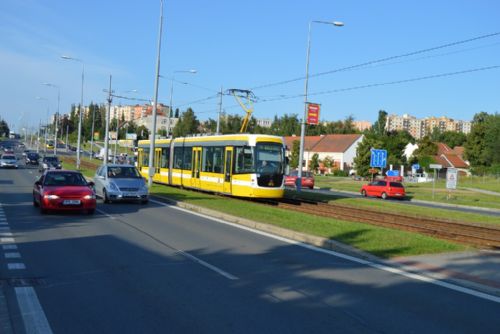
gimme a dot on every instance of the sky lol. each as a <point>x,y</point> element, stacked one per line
<point>442,56</point>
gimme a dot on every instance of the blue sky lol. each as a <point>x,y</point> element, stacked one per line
<point>246,45</point>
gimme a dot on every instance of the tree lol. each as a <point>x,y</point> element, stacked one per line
<point>187,124</point>
<point>142,132</point>
<point>363,152</point>
<point>294,159</point>
<point>314,162</point>
<point>378,127</point>
<point>475,146</point>
<point>4,128</point>
<point>453,138</point>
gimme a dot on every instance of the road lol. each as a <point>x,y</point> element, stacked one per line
<point>158,269</point>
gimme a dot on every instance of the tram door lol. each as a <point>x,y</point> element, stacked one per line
<point>196,167</point>
<point>157,161</point>
<point>228,169</point>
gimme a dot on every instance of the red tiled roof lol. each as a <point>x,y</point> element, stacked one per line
<point>336,143</point>
<point>443,148</point>
<point>325,143</point>
<point>456,161</point>
<point>442,161</point>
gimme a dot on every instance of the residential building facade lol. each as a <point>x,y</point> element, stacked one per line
<point>419,128</point>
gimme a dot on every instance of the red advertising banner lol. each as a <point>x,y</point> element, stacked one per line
<point>313,113</point>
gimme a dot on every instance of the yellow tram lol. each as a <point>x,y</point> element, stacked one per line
<point>243,165</point>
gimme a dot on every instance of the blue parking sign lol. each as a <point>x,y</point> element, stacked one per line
<point>378,158</point>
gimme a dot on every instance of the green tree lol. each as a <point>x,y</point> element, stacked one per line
<point>314,163</point>
<point>142,132</point>
<point>4,128</point>
<point>475,146</point>
<point>294,159</point>
<point>453,138</point>
<point>187,124</point>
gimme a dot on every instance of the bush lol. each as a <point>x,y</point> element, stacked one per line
<point>338,172</point>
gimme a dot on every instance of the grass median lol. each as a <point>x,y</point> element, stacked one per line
<point>380,241</point>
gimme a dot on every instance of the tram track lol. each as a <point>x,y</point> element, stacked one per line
<point>478,235</point>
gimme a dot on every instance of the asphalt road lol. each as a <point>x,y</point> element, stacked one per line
<point>157,269</point>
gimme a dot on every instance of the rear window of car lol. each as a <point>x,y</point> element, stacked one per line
<point>64,179</point>
<point>396,185</point>
<point>8,157</point>
<point>32,155</point>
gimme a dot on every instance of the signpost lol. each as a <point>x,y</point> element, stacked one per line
<point>378,158</point>
<point>313,113</point>
<point>435,167</point>
<point>451,179</point>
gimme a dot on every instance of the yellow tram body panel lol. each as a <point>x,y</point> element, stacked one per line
<point>192,167</point>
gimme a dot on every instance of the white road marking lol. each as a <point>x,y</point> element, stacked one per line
<point>106,214</point>
<point>383,267</point>
<point>16,266</point>
<point>34,319</point>
<point>9,247</point>
<point>207,265</point>
<point>6,240</point>
<point>6,234</point>
<point>12,255</point>
<point>4,228</point>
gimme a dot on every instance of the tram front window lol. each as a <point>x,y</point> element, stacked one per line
<point>269,162</point>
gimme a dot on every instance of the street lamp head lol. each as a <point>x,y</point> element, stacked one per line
<point>193,71</point>
<point>338,23</point>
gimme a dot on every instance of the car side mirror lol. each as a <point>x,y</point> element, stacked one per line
<point>90,184</point>
<point>38,183</point>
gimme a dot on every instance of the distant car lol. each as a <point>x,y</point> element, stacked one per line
<point>62,190</point>
<point>50,162</point>
<point>120,183</point>
<point>8,161</point>
<point>307,179</point>
<point>384,189</point>
<point>8,150</point>
<point>32,158</point>
<point>397,178</point>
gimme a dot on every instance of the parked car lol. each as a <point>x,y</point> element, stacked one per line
<point>120,182</point>
<point>8,161</point>
<point>384,189</point>
<point>62,190</point>
<point>32,158</point>
<point>50,162</point>
<point>307,179</point>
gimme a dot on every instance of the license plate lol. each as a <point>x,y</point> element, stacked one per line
<point>71,202</point>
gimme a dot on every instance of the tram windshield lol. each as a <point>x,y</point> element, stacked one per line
<point>269,158</point>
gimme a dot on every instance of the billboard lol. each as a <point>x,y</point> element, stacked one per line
<point>313,113</point>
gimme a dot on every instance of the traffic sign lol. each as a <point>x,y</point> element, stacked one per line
<point>392,173</point>
<point>378,158</point>
<point>451,178</point>
<point>415,166</point>
<point>435,166</point>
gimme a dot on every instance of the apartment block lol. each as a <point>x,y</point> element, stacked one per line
<point>419,128</point>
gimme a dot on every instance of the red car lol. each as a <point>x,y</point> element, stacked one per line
<point>63,190</point>
<point>384,189</point>
<point>307,179</point>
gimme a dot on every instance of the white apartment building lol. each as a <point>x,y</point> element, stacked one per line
<point>418,128</point>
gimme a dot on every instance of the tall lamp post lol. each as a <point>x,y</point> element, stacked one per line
<point>57,114</point>
<point>152,136</point>
<point>172,93</point>
<point>47,125</point>
<point>304,119</point>
<point>81,111</point>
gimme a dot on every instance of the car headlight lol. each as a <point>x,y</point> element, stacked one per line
<point>92,196</point>
<point>50,196</point>
<point>113,186</point>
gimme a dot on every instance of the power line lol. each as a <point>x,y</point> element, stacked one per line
<point>380,60</point>
<point>433,76</point>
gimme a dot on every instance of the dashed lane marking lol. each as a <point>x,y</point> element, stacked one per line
<point>16,266</point>
<point>9,247</point>
<point>6,240</point>
<point>12,255</point>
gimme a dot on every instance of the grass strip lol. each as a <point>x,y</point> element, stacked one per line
<point>380,241</point>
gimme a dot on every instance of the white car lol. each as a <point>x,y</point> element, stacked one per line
<point>8,161</point>
<point>120,183</point>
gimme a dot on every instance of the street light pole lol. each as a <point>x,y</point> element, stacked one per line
<point>304,119</point>
<point>57,114</point>
<point>152,136</point>
<point>81,111</point>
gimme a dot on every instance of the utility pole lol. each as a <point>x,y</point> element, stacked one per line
<point>92,134</point>
<point>67,132</point>
<point>108,111</point>
<point>220,111</point>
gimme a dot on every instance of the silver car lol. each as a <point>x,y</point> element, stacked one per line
<point>8,161</point>
<point>119,183</point>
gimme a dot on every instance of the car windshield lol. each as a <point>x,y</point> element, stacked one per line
<point>32,155</point>
<point>8,157</point>
<point>123,173</point>
<point>64,179</point>
<point>52,160</point>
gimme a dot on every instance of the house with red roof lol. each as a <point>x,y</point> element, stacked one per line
<point>339,148</point>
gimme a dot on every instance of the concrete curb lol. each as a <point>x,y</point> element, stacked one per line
<point>278,231</point>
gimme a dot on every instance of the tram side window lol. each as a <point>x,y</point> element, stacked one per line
<point>212,159</point>
<point>178,157</point>
<point>243,160</point>
<point>165,155</point>
<point>188,155</point>
<point>145,157</point>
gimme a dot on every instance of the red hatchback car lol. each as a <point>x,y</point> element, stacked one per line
<point>307,179</point>
<point>63,190</point>
<point>384,189</point>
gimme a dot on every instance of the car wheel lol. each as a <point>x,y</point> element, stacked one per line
<point>105,196</point>
<point>144,202</point>
<point>384,196</point>
<point>363,193</point>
